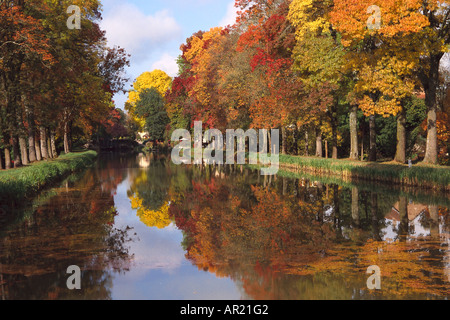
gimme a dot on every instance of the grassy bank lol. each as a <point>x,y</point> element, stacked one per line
<point>21,183</point>
<point>422,176</point>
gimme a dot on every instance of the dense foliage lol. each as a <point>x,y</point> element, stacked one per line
<point>56,83</point>
<point>335,78</point>
<point>321,72</point>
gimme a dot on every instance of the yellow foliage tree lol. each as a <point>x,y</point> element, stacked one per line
<point>156,79</point>
<point>382,85</point>
<point>200,55</point>
<point>353,17</point>
<point>151,218</point>
<point>310,16</point>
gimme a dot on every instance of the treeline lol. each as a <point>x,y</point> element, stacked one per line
<point>336,80</point>
<point>55,81</point>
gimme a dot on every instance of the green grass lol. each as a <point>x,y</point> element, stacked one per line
<point>431,177</point>
<point>25,182</point>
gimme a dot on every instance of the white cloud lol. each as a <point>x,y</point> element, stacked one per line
<point>168,64</point>
<point>230,16</point>
<point>138,33</point>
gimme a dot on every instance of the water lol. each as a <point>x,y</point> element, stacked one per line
<point>140,227</point>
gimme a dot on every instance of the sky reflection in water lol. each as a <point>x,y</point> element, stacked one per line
<point>143,228</point>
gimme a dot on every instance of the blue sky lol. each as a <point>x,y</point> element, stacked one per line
<point>159,269</point>
<point>152,31</point>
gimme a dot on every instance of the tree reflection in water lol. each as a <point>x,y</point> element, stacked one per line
<point>275,237</point>
<point>149,192</point>
<point>285,238</point>
<point>73,227</point>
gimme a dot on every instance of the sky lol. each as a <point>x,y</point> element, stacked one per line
<point>153,30</point>
<point>159,268</point>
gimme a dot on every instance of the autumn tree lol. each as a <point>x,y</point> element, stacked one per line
<point>373,40</point>
<point>150,106</point>
<point>237,81</point>
<point>433,42</point>
<point>421,27</point>
<point>22,40</point>
<point>156,79</point>
<point>179,102</point>
<point>52,77</point>
<point>200,55</point>
<point>115,125</point>
<point>268,40</point>
<point>319,61</point>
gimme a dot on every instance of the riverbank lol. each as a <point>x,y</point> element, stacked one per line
<point>25,182</point>
<point>419,175</point>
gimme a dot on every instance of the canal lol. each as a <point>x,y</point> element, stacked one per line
<point>140,227</point>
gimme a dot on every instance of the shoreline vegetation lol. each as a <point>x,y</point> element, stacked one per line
<point>22,183</point>
<point>421,176</point>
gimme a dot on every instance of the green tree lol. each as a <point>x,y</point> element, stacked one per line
<point>151,107</point>
<point>156,79</point>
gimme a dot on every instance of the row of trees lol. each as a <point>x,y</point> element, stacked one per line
<point>329,70</point>
<point>53,80</point>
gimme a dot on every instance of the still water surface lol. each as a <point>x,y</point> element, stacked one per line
<point>142,228</point>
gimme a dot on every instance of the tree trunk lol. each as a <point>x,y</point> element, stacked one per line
<point>7,159</point>
<point>334,154</point>
<point>67,144</point>
<point>1,162</point>
<point>264,148</point>
<point>431,85</point>
<point>49,147</point>
<point>296,140</point>
<point>32,153</point>
<point>23,150</point>
<point>31,129</point>
<point>431,153</point>
<point>38,149</point>
<point>373,139</point>
<point>326,149</point>
<point>16,150</point>
<point>334,136</point>
<point>319,144</point>
<point>53,143</point>
<point>400,154</point>
<point>306,143</point>
<point>44,150</point>
<point>283,140</point>
<point>362,147</point>
<point>354,133</point>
